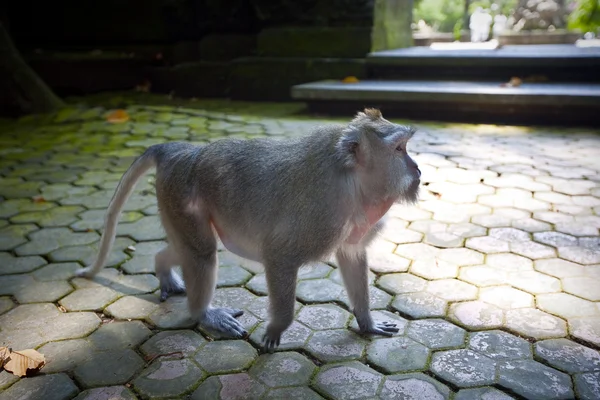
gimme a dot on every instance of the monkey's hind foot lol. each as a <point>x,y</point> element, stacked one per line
<point>381,328</point>
<point>223,320</point>
<point>170,283</point>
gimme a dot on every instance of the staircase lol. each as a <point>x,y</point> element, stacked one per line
<point>559,85</point>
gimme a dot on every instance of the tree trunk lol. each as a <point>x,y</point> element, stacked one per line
<point>20,87</point>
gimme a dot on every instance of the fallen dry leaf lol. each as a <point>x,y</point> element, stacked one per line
<point>514,82</point>
<point>144,87</point>
<point>38,199</point>
<point>24,360</point>
<point>117,117</point>
<point>350,79</point>
<point>4,355</point>
<point>62,309</point>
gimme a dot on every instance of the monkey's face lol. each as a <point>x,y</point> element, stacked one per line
<point>386,169</point>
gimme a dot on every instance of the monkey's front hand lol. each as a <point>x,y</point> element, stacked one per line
<point>384,328</point>
<point>223,320</point>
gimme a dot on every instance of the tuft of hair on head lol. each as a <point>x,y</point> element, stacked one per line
<point>371,114</point>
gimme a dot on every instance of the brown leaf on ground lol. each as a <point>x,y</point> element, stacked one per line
<point>144,87</point>
<point>350,79</point>
<point>25,360</point>
<point>117,117</point>
<point>514,82</point>
<point>4,355</point>
<point>38,199</point>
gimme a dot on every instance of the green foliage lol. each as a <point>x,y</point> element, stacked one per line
<point>585,16</point>
<point>442,15</point>
<point>447,15</point>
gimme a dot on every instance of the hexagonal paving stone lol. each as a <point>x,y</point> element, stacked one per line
<point>484,393</point>
<point>56,272</point>
<point>297,392</point>
<point>452,290</point>
<point>232,276</point>
<point>118,367</point>
<point>47,387</point>
<point>420,305</point>
<point>54,217</point>
<point>226,356</point>
<point>530,225</point>
<point>260,307</point>
<point>229,387</point>
<point>6,304</point>
<point>437,334</point>
<point>385,262</point>
<point>314,271</point>
<point>532,250</point>
<point>10,264</point>
<point>487,244</point>
<point>413,386</point>
<point>587,385</point>
<point>336,345</point>
<point>401,283</point>
<point>90,299</point>
<point>168,378</point>
<point>586,329</point>
<point>397,354</point>
<point>66,354</point>
<point>499,345</point>
<point>133,307</point>
<point>318,291</point>
<point>324,316</point>
<point>568,356</point>
<point>172,314</point>
<point>476,315</point>
<point>47,240</point>
<point>351,380</point>
<point>293,338</point>
<point>144,229</point>
<point>586,287</point>
<point>509,262</point>
<point>534,381</point>
<point>378,299</point>
<point>482,275</point>
<point>186,342</point>
<point>87,253</point>
<point>120,283</point>
<point>463,368</point>
<point>555,239</point>
<point>119,334</point>
<point>534,282</point>
<point>39,292</point>
<point>258,284</point>
<point>15,235</point>
<point>506,297</point>
<point>559,268</point>
<point>110,392</point>
<point>509,234</point>
<point>434,268</point>
<point>565,305</point>
<point>7,379</point>
<point>283,369</point>
<point>536,324</point>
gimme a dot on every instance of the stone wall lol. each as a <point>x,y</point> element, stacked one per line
<point>183,46</point>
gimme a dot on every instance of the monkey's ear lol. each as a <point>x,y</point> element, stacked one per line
<point>347,147</point>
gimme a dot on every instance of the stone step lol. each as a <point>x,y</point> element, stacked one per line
<point>460,100</point>
<point>562,62</point>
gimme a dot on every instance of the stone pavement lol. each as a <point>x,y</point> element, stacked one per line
<point>493,278</point>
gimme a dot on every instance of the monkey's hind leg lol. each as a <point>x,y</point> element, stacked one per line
<point>196,248</point>
<point>170,282</point>
<point>353,267</point>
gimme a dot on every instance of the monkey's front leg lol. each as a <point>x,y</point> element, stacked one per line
<point>352,262</point>
<point>281,281</point>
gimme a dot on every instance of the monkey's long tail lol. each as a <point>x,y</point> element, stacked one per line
<point>124,189</point>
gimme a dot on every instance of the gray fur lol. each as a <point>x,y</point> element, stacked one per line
<point>283,203</point>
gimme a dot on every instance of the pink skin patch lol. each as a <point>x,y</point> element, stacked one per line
<point>373,214</point>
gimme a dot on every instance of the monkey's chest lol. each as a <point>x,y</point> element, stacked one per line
<point>373,215</point>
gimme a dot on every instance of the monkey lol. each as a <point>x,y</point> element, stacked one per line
<point>281,202</point>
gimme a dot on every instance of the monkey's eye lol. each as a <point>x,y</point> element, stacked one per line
<point>400,148</point>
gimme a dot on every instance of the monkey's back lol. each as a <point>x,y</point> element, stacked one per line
<point>269,190</point>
